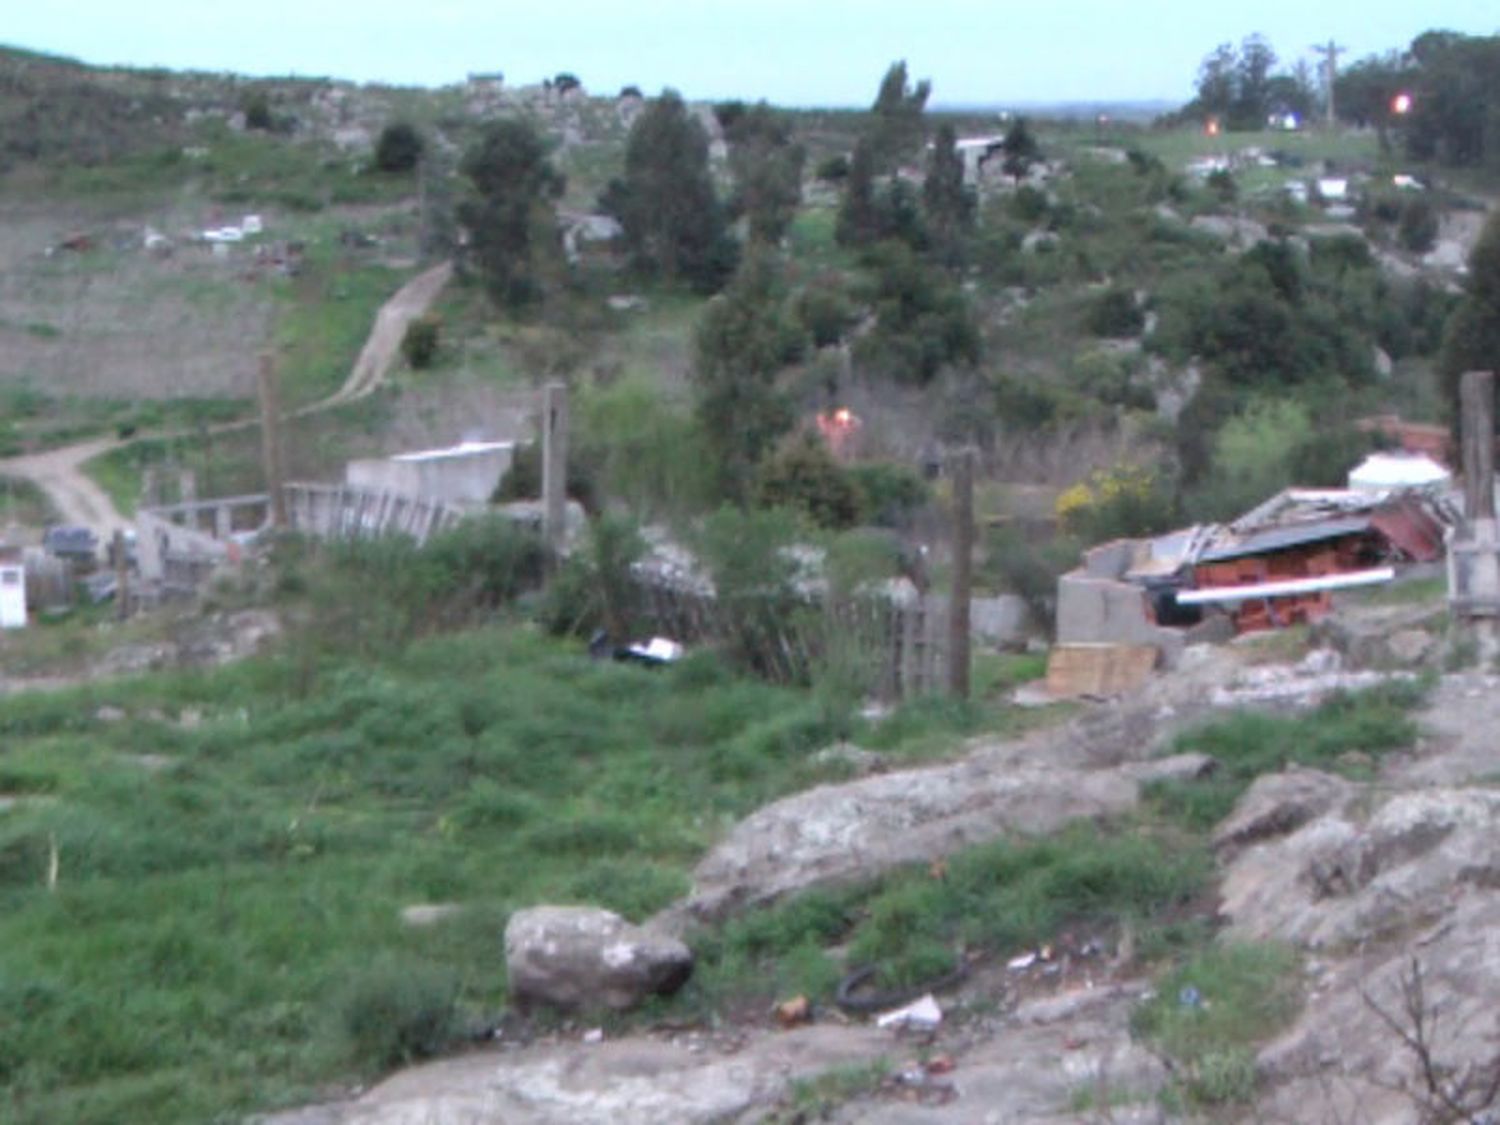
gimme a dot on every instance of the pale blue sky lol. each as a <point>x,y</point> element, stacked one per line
<point>793,52</point>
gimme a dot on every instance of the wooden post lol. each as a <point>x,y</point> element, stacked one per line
<point>122,575</point>
<point>1474,553</point>
<point>270,439</point>
<point>963,573</point>
<point>1477,398</point>
<point>555,464</point>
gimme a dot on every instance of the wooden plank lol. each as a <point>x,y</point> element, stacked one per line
<point>1098,670</point>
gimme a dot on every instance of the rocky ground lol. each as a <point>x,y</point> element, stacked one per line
<point>1390,889</point>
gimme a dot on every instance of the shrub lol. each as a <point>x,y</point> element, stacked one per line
<point>890,493</point>
<point>1418,227</point>
<point>419,344</point>
<point>398,1012</point>
<point>523,480</point>
<point>1115,313</point>
<point>1116,503</point>
<point>834,169</point>
<point>257,110</point>
<point>399,147</point>
<point>803,476</point>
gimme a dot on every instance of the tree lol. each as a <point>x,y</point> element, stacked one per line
<point>1217,76</point>
<point>857,222</point>
<point>399,147</point>
<point>744,339</point>
<point>1252,96</point>
<point>766,164</point>
<point>675,226</point>
<point>1471,341</point>
<point>510,216</point>
<point>896,125</point>
<point>1020,148</point>
<point>947,202</point>
<point>922,321</point>
<point>1363,93</point>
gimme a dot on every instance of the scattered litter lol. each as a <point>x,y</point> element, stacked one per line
<point>920,1015</point>
<point>658,650</point>
<point>1190,997</point>
<point>940,1064</point>
<point>789,1013</point>
<point>594,1035</point>
<point>1024,961</point>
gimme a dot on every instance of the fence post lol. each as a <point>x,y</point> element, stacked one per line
<point>963,573</point>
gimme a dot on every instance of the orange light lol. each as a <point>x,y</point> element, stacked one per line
<point>1211,126</point>
<point>1401,104</point>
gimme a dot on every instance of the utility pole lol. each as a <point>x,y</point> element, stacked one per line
<point>1474,554</point>
<point>269,386</point>
<point>963,573</point>
<point>1330,52</point>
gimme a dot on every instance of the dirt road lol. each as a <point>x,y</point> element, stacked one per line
<point>78,500</point>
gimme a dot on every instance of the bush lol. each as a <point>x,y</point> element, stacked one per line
<point>398,1012</point>
<point>891,493</point>
<point>399,147</point>
<point>803,476</point>
<point>419,344</point>
<point>523,480</point>
<point>1418,227</point>
<point>257,110</point>
<point>833,170</point>
<point>1115,313</point>
<point>1123,502</point>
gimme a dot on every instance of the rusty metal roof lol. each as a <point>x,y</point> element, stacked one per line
<point>1281,538</point>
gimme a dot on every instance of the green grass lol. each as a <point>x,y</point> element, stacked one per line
<point>1250,743</point>
<point>22,502</point>
<point>1208,1015</point>
<point>212,919</point>
<point>997,898</point>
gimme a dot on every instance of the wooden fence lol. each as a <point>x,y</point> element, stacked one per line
<point>881,644</point>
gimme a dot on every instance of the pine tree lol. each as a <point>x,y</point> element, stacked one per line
<point>947,202</point>
<point>511,215</point>
<point>674,224</point>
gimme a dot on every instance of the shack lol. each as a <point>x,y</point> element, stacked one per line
<point>1277,565</point>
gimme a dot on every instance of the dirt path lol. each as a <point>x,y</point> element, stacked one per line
<point>78,500</point>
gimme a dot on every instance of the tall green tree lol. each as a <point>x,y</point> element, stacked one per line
<point>896,123</point>
<point>1253,89</point>
<point>947,202</point>
<point>675,225</point>
<point>744,340</point>
<point>1471,340</point>
<point>510,214</point>
<point>1020,148</point>
<point>766,163</point>
<point>858,221</point>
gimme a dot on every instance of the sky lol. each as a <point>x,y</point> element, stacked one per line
<point>791,52</point>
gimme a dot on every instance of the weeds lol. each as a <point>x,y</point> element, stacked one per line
<point>1207,1016</point>
<point>915,924</point>
<point>1250,743</point>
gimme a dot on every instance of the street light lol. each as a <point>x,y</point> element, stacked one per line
<point>1401,104</point>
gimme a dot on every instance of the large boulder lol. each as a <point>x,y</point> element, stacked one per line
<point>584,957</point>
<point>1280,803</point>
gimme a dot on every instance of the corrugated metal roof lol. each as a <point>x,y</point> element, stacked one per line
<point>1280,538</point>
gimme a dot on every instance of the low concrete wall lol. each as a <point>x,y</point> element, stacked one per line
<point>453,476</point>
<point>1103,611</point>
